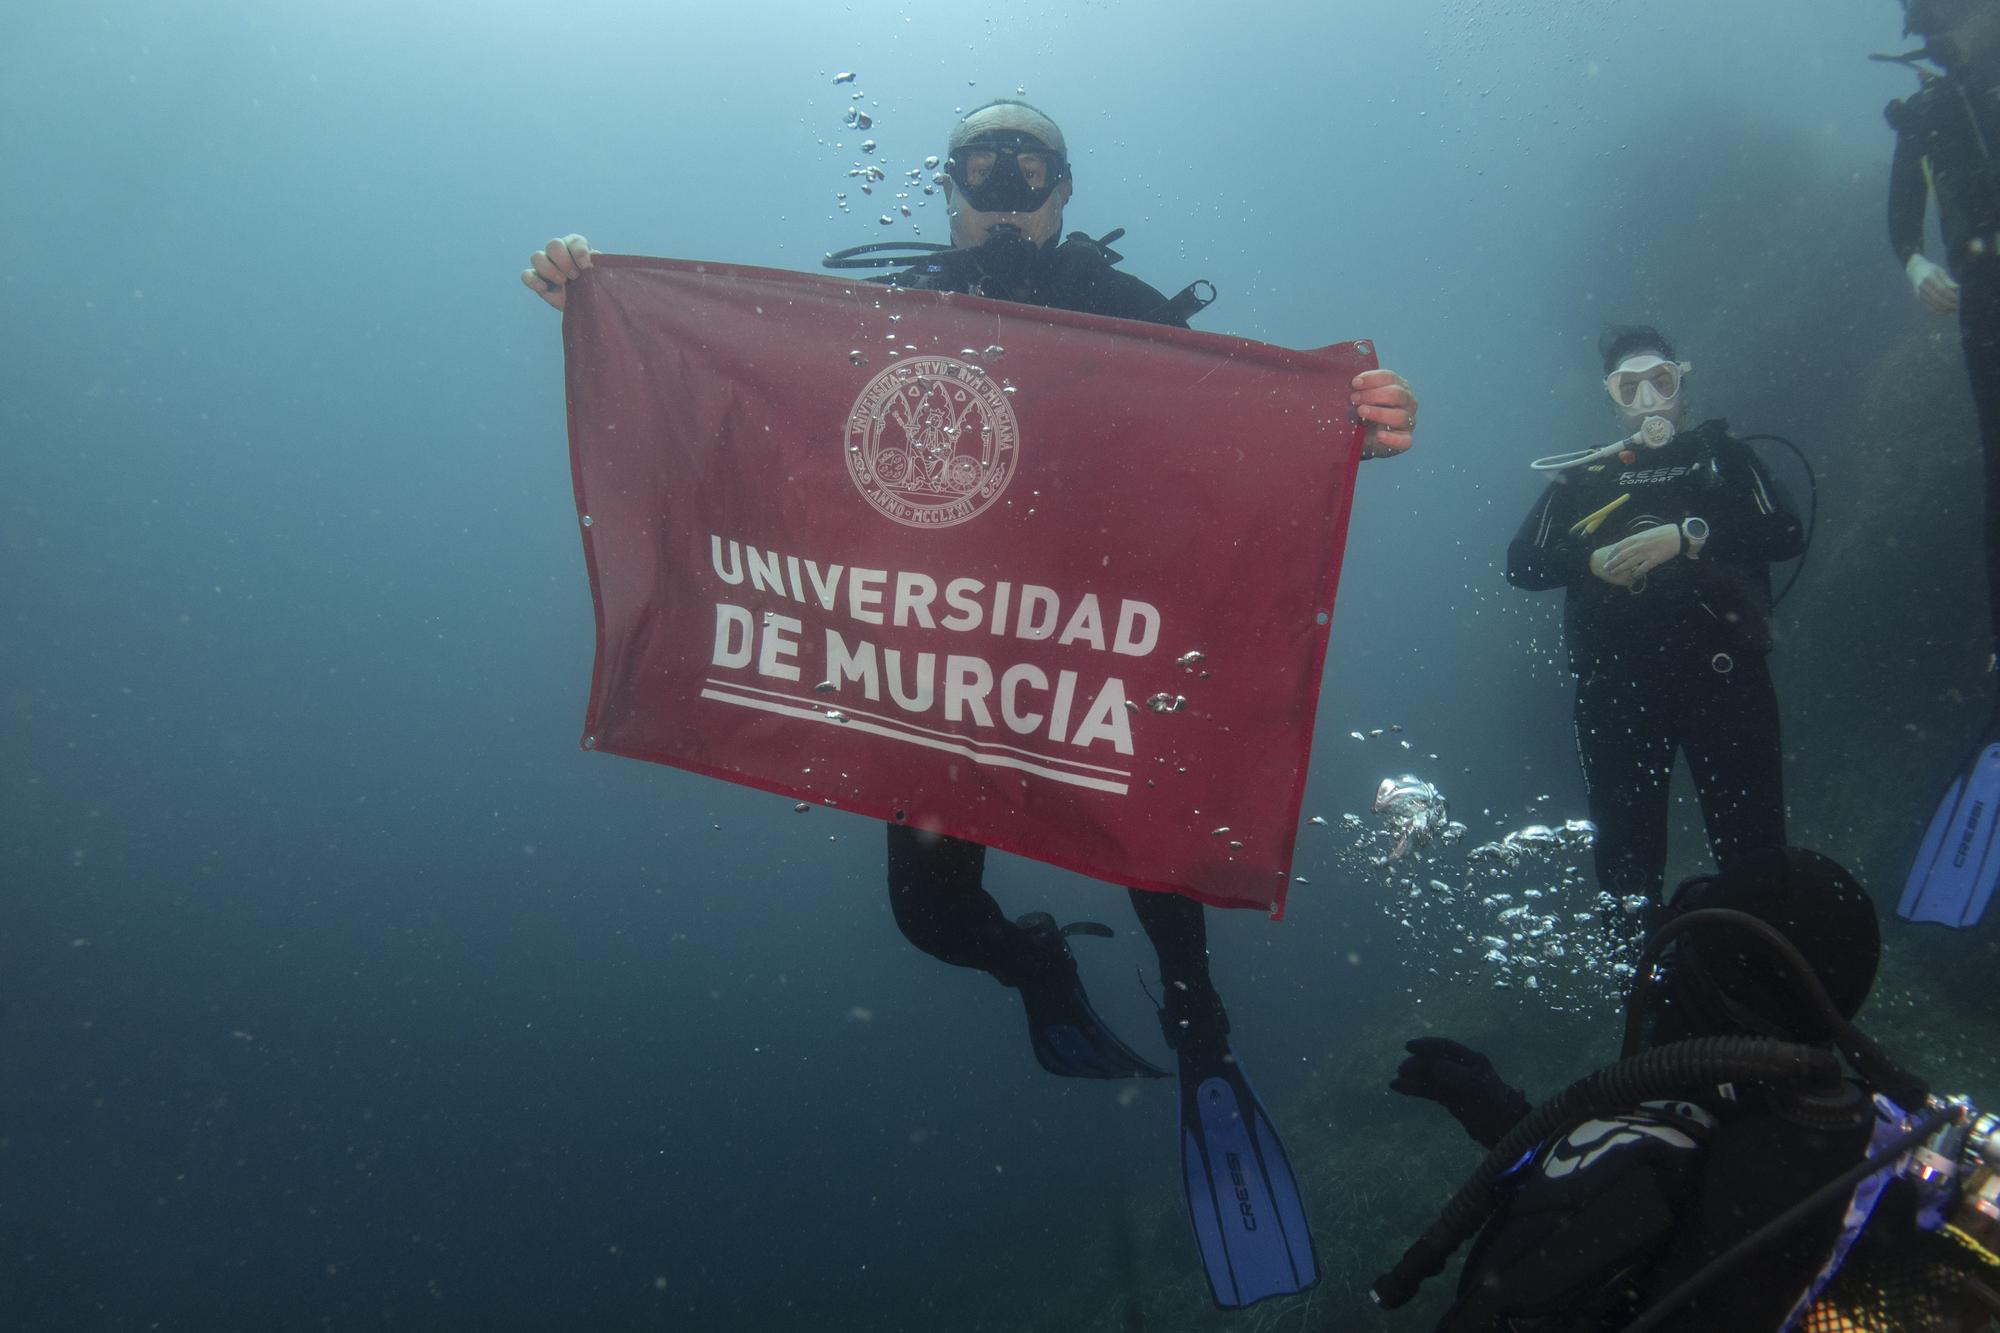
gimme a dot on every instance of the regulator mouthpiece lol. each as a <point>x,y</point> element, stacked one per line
<point>1653,433</point>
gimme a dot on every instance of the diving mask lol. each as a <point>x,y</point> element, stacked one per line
<point>1006,171</point>
<point>1645,384</point>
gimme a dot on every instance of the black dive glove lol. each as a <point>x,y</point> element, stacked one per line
<point>1463,1082</point>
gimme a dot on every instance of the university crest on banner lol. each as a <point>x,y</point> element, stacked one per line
<point>1054,583</point>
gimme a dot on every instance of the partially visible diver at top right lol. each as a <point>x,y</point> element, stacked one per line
<point>1945,136</point>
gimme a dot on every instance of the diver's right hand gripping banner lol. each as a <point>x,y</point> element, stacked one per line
<point>1054,583</point>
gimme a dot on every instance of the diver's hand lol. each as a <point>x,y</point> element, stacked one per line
<point>1383,399</point>
<point>1463,1082</point>
<point>1933,286</point>
<point>556,267</point>
<point>1625,563</point>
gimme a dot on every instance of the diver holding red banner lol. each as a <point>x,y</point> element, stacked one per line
<point>1006,181</point>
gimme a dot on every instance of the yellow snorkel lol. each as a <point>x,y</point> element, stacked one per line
<point>1590,523</point>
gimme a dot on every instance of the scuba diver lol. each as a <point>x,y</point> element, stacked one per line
<point>1663,542</point>
<point>1944,139</point>
<point>1006,180</point>
<point>1725,1173</point>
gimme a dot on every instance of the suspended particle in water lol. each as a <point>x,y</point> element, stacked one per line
<point>1007,387</point>
<point>853,114</point>
<point>1161,703</point>
<point>1216,833</point>
<point>995,351</point>
<point>845,76</point>
<point>930,163</point>
<point>868,146</point>
<point>858,357</point>
<point>801,807</point>
<point>835,715</point>
<point>888,221</point>
<point>824,687</point>
<point>863,121</point>
<point>1318,821</point>
<point>968,353</point>
<point>1191,659</point>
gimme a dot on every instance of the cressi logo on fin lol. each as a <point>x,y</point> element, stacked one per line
<point>1958,864</point>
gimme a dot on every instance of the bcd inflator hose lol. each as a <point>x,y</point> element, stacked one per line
<point>1652,1074</point>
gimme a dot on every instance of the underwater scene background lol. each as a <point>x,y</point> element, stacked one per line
<point>340,989</point>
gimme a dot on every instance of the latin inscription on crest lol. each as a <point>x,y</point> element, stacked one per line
<point>932,441</point>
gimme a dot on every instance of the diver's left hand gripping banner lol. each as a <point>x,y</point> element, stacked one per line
<point>1050,582</point>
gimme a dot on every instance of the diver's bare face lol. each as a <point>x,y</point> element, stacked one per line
<point>970,227</point>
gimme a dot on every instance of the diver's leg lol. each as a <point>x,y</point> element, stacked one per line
<point>1178,927</point>
<point>1732,745</point>
<point>940,904</point>
<point>1979,332</point>
<point>1623,743</point>
<point>936,893</point>
<point>1233,1162</point>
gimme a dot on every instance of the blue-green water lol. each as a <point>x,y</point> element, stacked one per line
<point>342,990</point>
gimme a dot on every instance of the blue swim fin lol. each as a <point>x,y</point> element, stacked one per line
<point>1069,1038</point>
<point>1959,862</point>
<point>1249,1215</point>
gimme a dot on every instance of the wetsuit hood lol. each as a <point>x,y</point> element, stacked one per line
<point>1722,981</point>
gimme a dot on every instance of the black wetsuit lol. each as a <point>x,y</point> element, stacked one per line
<point>1679,663</point>
<point>1942,138</point>
<point>1617,1211</point>
<point>935,883</point>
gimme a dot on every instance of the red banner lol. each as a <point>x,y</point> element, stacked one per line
<point>1055,583</point>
